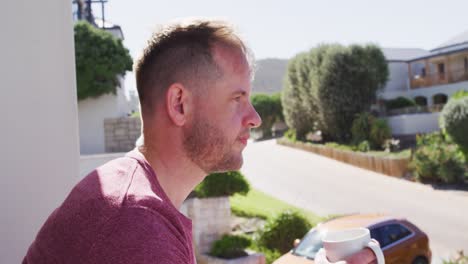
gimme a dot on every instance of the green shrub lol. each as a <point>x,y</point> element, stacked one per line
<point>270,110</point>
<point>326,87</point>
<point>291,135</point>
<point>223,184</point>
<point>436,160</point>
<point>100,59</point>
<point>399,102</point>
<point>380,131</point>
<point>459,94</point>
<point>280,232</point>
<point>454,121</point>
<point>345,84</point>
<point>230,246</point>
<point>361,127</point>
<point>364,146</point>
<point>270,255</point>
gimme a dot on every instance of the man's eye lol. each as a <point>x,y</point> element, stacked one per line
<point>238,98</point>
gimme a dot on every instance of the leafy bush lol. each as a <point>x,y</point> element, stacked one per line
<point>454,121</point>
<point>361,127</point>
<point>436,160</point>
<point>270,110</point>
<point>291,135</point>
<point>459,94</point>
<point>326,87</point>
<point>223,184</point>
<point>298,103</point>
<point>380,131</point>
<point>270,255</point>
<point>364,146</point>
<point>399,102</point>
<point>100,59</point>
<point>345,84</point>
<point>280,232</point>
<point>230,246</point>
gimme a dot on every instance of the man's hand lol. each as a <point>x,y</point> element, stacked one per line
<point>365,256</point>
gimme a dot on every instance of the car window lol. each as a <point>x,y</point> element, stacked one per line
<point>389,234</point>
<point>310,244</point>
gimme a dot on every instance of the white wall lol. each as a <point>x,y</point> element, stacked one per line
<point>397,77</point>
<point>92,112</point>
<point>414,123</point>
<point>89,162</point>
<point>39,143</point>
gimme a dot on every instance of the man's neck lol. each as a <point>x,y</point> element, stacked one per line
<point>176,174</point>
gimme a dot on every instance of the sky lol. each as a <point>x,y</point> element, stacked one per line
<point>281,29</point>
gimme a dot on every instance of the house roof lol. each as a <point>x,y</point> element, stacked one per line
<point>403,54</point>
<point>458,40</point>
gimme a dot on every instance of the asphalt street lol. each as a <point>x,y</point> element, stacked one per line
<point>326,186</point>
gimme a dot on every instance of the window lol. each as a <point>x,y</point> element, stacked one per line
<point>441,68</point>
<point>389,234</point>
<point>466,63</point>
<point>423,72</point>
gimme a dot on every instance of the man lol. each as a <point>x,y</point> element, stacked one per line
<point>193,81</point>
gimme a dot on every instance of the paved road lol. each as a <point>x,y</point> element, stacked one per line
<point>326,186</point>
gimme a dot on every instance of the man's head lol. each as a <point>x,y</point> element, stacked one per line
<point>196,75</point>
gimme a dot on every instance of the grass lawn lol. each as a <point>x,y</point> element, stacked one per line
<point>259,204</point>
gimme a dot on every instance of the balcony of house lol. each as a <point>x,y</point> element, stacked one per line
<point>438,70</point>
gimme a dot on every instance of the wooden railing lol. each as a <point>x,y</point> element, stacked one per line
<point>433,79</point>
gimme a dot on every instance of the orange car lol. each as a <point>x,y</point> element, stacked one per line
<point>401,241</point>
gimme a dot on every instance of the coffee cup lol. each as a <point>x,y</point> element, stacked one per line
<point>344,243</point>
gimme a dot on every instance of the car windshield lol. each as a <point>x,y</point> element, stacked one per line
<point>310,244</point>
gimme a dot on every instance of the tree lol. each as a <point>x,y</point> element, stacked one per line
<point>294,98</point>
<point>100,59</point>
<point>326,87</point>
<point>454,121</point>
<point>346,83</point>
<point>270,110</point>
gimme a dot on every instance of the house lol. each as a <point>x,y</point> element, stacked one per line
<point>93,111</point>
<point>428,77</point>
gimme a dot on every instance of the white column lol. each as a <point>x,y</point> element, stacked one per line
<point>39,151</point>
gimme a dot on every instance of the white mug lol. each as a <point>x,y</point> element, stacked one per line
<point>344,243</point>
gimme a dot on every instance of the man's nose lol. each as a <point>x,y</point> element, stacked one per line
<point>252,119</point>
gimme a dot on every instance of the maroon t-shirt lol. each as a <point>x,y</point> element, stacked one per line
<point>117,214</point>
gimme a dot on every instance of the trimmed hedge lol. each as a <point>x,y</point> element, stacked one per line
<point>454,120</point>
<point>280,232</point>
<point>223,184</point>
<point>438,160</point>
<point>230,246</point>
<point>399,102</point>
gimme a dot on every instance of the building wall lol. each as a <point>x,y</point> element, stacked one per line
<point>92,112</point>
<point>397,77</point>
<point>414,123</point>
<point>447,89</point>
<point>40,151</point>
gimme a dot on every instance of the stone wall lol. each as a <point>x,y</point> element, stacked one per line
<point>211,218</point>
<point>121,133</point>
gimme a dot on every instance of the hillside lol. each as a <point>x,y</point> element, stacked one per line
<point>269,75</point>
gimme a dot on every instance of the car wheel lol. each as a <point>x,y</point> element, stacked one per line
<point>420,260</point>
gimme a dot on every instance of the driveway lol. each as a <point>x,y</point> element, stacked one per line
<point>326,186</point>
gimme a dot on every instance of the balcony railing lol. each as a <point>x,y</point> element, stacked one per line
<point>429,80</point>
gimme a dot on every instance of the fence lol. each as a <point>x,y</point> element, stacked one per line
<point>390,166</point>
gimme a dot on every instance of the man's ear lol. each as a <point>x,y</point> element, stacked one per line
<point>177,103</point>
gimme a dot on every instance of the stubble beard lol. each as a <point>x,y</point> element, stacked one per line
<point>207,146</point>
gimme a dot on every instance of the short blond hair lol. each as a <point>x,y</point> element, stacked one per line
<point>182,52</point>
